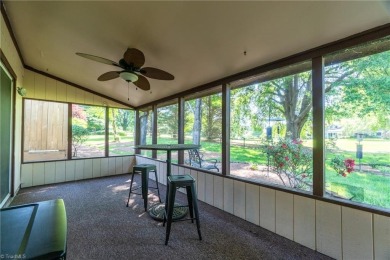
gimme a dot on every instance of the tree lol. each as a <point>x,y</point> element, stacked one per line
<point>197,126</point>
<point>79,137</point>
<point>359,85</point>
<point>144,126</point>
<point>212,117</point>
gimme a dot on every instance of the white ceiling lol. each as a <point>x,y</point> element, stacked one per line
<point>197,42</point>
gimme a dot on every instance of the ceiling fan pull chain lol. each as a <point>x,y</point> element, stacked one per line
<point>128,91</point>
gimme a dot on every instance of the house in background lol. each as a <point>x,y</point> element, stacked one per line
<point>209,48</point>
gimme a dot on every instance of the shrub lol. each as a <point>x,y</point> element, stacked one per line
<point>292,162</point>
<point>79,137</point>
<point>342,166</point>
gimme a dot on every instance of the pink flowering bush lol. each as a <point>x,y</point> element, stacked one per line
<point>292,162</point>
<point>342,166</point>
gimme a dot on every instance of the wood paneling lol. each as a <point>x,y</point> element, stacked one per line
<point>218,192</point>
<point>38,177</point>
<point>79,170</point>
<point>381,237</point>
<point>88,169</point>
<point>228,195</point>
<point>239,199</point>
<point>96,168</point>
<point>52,135</point>
<point>201,185</point>
<point>50,172</point>
<point>304,221</point>
<point>60,171</point>
<point>284,218</point>
<point>70,170</point>
<point>40,86</point>
<point>104,167</point>
<point>328,229</point>
<point>252,202</point>
<point>26,178</point>
<point>267,208</point>
<point>209,189</point>
<point>51,89</point>
<point>61,91</point>
<point>357,234</point>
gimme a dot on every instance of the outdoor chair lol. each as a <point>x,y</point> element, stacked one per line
<point>196,160</point>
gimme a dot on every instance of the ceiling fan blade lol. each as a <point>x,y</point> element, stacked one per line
<point>142,83</point>
<point>154,73</point>
<point>98,59</point>
<point>135,57</point>
<point>109,75</point>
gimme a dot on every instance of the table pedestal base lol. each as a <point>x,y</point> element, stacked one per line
<point>157,211</point>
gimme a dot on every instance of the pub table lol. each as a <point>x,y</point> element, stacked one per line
<point>157,211</point>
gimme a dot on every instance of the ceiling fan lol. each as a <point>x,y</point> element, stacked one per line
<point>132,70</point>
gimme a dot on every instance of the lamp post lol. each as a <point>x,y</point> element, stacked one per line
<point>359,149</point>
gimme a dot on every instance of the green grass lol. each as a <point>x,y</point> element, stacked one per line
<point>362,187</point>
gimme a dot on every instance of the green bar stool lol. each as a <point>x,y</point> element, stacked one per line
<point>144,169</point>
<point>175,182</point>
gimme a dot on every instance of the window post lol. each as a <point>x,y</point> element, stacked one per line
<point>318,97</point>
<point>225,129</point>
<point>180,132</point>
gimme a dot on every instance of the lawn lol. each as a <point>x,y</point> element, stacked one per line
<point>362,186</point>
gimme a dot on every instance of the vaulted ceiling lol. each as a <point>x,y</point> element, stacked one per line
<point>198,42</point>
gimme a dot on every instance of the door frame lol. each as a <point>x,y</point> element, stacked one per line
<point>11,72</point>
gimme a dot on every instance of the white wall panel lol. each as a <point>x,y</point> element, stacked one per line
<point>70,93</point>
<point>96,168</point>
<point>267,208</point>
<point>103,166</point>
<point>38,174</point>
<point>163,167</point>
<point>357,234</point>
<point>218,192</point>
<point>70,170</point>
<point>26,180</point>
<point>201,186</point>
<point>60,171</point>
<point>228,195</point>
<point>119,165</point>
<point>174,170</point>
<point>28,83</point>
<point>79,170</point>
<point>284,209</point>
<point>40,86</point>
<point>194,175</point>
<point>126,163</point>
<point>51,89</point>
<point>328,229</point>
<point>304,221</point>
<point>239,199</point>
<point>88,169</point>
<point>50,172</point>
<point>111,166</point>
<point>252,203</point>
<point>61,91</point>
<point>209,189</point>
<point>80,96</point>
<point>88,98</point>
<point>381,237</point>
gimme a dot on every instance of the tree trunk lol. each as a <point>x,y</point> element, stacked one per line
<point>116,138</point>
<point>197,127</point>
<point>296,117</point>
<point>144,127</point>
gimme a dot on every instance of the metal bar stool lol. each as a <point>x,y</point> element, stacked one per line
<point>144,169</point>
<point>175,182</point>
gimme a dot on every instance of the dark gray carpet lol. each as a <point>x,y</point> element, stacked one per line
<point>100,226</point>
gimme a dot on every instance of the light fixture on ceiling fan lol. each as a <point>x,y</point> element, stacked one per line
<point>128,76</point>
<point>132,70</point>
